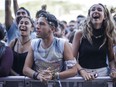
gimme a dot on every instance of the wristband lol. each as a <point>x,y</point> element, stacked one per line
<point>35,74</point>
<point>55,76</point>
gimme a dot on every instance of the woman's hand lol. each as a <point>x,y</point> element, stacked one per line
<point>113,73</point>
<point>86,75</point>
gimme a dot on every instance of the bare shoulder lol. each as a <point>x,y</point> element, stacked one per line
<point>78,34</point>
<point>12,43</point>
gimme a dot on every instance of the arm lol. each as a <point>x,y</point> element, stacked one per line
<point>28,64</point>
<point>12,43</point>
<point>12,71</point>
<point>8,14</point>
<point>76,42</point>
<point>112,63</point>
<point>68,56</point>
<point>75,45</point>
<point>16,7</point>
<point>6,62</point>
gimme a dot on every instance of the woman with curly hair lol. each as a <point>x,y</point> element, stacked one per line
<point>94,43</point>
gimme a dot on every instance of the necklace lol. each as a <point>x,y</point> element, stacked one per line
<point>99,36</point>
<point>25,42</point>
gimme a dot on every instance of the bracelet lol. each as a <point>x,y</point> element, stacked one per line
<point>113,69</point>
<point>35,74</point>
<point>55,76</point>
<point>80,70</point>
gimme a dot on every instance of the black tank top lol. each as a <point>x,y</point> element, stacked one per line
<point>90,56</point>
<point>19,60</point>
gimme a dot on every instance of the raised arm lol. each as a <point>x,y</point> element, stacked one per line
<point>16,7</point>
<point>8,14</point>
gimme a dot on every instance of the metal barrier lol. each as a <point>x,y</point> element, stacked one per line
<point>12,81</point>
<point>22,81</point>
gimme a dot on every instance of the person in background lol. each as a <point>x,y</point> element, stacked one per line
<point>20,45</point>
<point>6,56</point>
<point>80,20</point>
<point>94,43</point>
<point>60,32</point>
<point>72,29</point>
<point>65,26</point>
<point>10,23</point>
<point>48,53</point>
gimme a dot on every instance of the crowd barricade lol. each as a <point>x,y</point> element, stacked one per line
<point>22,81</point>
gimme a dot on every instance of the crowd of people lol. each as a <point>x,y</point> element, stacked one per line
<point>49,49</point>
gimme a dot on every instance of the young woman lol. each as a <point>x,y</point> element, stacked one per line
<point>94,43</point>
<point>21,44</point>
<point>10,23</point>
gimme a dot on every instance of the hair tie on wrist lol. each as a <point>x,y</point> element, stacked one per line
<point>80,70</point>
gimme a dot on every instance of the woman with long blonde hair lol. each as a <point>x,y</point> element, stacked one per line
<point>94,43</point>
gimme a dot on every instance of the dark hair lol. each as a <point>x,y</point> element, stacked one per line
<point>44,7</point>
<point>32,22</point>
<point>61,26</point>
<point>39,12</point>
<point>50,18</point>
<point>28,13</point>
<point>2,45</point>
<point>73,21</point>
<point>64,21</point>
<point>82,16</point>
<point>2,33</point>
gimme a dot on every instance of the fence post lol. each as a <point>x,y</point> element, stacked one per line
<point>1,84</point>
<point>21,84</point>
<point>110,84</point>
<point>50,84</point>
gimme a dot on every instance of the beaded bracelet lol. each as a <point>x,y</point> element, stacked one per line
<point>55,76</point>
<point>35,74</point>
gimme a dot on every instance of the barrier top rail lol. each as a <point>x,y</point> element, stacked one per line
<point>72,79</point>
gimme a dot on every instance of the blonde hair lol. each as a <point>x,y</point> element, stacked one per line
<point>108,25</point>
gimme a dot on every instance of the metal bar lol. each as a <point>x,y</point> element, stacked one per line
<point>1,84</point>
<point>50,84</point>
<point>25,81</point>
<point>80,84</point>
<point>110,84</point>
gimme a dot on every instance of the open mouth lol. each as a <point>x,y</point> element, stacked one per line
<point>23,29</point>
<point>96,15</point>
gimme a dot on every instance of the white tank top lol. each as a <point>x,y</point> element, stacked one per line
<point>50,57</point>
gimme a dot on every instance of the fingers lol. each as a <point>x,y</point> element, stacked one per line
<point>45,75</point>
<point>89,76</point>
<point>113,75</point>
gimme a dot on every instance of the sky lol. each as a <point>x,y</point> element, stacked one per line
<point>86,3</point>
